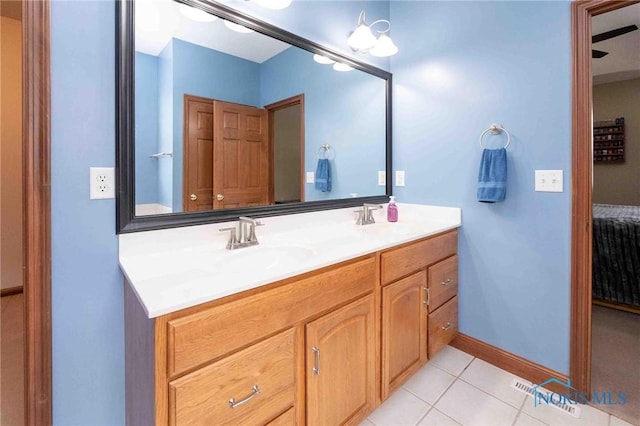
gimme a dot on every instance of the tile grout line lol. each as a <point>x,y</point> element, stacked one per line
<point>433,406</point>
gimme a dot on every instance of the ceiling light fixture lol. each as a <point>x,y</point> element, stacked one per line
<point>237,27</point>
<point>196,14</point>
<point>363,40</point>
<point>274,4</point>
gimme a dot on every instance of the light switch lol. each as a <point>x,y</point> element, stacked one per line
<point>399,177</point>
<point>311,177</point>
<point>549,181</point>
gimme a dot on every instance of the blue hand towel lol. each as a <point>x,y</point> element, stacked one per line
<point>492,177</point>
<point>323,175</point>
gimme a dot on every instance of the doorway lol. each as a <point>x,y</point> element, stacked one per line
<point>31,133</point>
<point>286,140</point>
<point>582,196</point>
<point>615,312</point>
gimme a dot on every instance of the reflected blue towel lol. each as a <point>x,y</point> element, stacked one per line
<point>492,177</point>
<point>323,175</point>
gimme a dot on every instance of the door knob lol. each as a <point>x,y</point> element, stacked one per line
<point>219,197</point>
<point>193,197</point>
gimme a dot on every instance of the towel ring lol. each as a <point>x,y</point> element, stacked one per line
<point>495,129</point>
<point>323,151</point>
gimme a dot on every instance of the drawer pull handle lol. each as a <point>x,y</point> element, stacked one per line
<point>448,281</point>
<point>426,296</point>
<point>254,391</point>
<point>447,326</point>
<point>316,353</point>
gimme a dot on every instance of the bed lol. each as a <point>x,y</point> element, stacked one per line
<point>616,254</point>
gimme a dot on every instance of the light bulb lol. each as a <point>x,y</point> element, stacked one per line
<point>196,14</point>
<point>237,27</point>
<point>361,38</point>
<point>323,59</point>
<point>338,66</point>
<point>384,46</point>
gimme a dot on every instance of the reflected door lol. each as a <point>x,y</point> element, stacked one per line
<point>198,154</point>
<point>240,156</point>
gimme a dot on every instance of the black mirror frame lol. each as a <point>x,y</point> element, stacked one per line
<point>126,221</point>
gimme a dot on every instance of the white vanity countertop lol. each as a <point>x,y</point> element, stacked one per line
<point>177,268</point>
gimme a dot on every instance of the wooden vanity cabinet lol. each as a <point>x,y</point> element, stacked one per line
<point>417,279</point>
<point>322,348</point>
<point>243,359</point>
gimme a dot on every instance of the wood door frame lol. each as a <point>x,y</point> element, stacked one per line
<point>581,186</point>
<point>271,110</point>
<point>36,138</point>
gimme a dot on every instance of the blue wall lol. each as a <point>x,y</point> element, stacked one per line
<point>461,67</point>
<point>87,296</point>
<point>344,109</point>
<point>146,98</point>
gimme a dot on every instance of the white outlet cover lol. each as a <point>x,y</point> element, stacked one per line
<point>311,177</point>
<point>399,177</point>
<point>102,183</point>
<point>382,178</point>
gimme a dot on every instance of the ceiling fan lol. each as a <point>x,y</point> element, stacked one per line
<point>606,36</point>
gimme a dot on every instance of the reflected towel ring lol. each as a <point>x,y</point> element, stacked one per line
<point>323,152</point>
<point>495,129</point>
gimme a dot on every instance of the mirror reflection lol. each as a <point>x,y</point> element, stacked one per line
<point>226,117</point>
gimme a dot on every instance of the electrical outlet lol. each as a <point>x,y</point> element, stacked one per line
<point>399,177</point>
<point>102,183</point>
<point>382,178</point>
<point>311,177</point>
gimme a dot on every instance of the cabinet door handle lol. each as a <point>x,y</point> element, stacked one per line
<point>447,326</point>
<point>316,353</point>
<point>426,296</point>
<point>255,390</point>
<point>448,281</point>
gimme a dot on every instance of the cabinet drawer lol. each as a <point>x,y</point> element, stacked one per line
<point>443,326</point>
<point>443,282</point>
<point>214,332</point>
<point>402,261</point>
<point>261,379</point>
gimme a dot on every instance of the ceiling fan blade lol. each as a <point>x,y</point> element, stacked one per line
<point>598,54</point>
<point>613,33</point>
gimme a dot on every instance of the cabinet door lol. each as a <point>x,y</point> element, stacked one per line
<point>340,364</point>
<point>404,330</point>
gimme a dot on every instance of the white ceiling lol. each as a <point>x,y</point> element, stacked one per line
<point>623,60</point>
<point>157,21</point>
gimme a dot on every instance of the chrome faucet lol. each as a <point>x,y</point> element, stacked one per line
<point>365,216</point>
<point>244,235</point>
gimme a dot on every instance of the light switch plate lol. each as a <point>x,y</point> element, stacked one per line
<point>399,177</point>
<point>382,178</point>
<point>549,181</point>
<point>311,177</point>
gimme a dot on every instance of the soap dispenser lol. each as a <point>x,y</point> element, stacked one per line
<point>392,210</point>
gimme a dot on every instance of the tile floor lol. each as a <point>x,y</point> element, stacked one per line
<point>454,388</point>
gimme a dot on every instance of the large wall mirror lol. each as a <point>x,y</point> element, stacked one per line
<point>222,115</point>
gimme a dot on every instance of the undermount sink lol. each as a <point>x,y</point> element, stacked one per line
<point>262,257</point>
